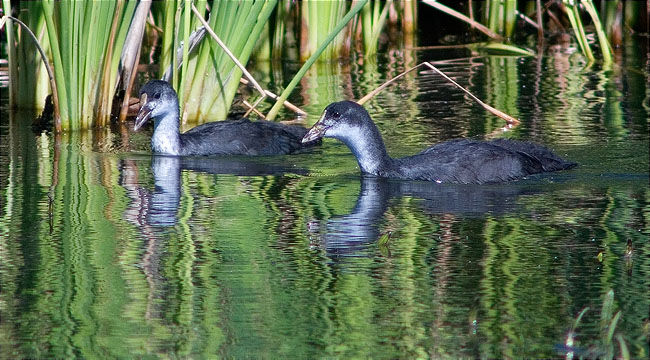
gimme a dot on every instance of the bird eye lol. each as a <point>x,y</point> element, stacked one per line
<point>335,115</point>
<point>156,96</point>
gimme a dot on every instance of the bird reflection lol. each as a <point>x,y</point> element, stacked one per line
<point>155,213</point>
<point>165,199</point>
<point>340,235</point>
<point>350,233</point>
<point>347,235</point>
<point>162,204</point>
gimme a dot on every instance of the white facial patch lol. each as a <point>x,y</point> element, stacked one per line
<point>343,132</point>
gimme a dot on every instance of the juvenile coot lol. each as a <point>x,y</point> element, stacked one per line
<point>457,161</point>
<point>231,137</point>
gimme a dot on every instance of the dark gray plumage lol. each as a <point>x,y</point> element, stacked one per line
<point>230,137</point>
<point>458,161</point>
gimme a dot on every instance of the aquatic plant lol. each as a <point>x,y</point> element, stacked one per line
<point>373,21</point>
<point>28,88</point>
<point>87,45</point>
<point>318,19</point>
<point>88,52</point>
<point>207,80</point>
<point>605,347</point>
<point>85,42</point>
<point>501,19</point>
<point>339,26</point>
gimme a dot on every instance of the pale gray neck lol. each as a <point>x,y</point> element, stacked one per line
<point>367,146</point>
<point>346,232</point>
<point>166,137</point>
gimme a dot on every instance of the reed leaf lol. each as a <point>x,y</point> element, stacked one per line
<point>339,26</point>
<point>318,18</point>
<point>29,83</point>
<point>576,23</point>
<point>494,7</point>
<point>510,17</point>
<point>281,19</point>
<point>506,49</point>
<point>605,48</point>
<point>12,56</point>
<point>187,13</point>
<point>625,352</point>
<point>373,25</point>
<point>167,47</point>
<point>45,63</point>
<point>86,39</point>
<point>208,77</point>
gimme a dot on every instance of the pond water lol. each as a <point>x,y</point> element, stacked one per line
<point>109,252</point>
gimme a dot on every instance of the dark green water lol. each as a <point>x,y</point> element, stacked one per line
<point>108,252</point>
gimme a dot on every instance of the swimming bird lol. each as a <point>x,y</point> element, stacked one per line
<point>461,161</point>
<point>229,137</point>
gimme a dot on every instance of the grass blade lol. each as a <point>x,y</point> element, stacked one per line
<point>605,48</point>
<point>64,115</point>
<point>576,24</point>
<point>510,18</point>
<point>341,24</point>
<point>50,73</point>
<point>377,27</point>
<point>500,48</point>
<point>625,352</point>
<point>612,327</point>
<point>230,54</point>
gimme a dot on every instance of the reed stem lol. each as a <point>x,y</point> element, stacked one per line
<point>337,29</point>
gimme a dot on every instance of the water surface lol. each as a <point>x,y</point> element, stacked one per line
<point>107,251</point>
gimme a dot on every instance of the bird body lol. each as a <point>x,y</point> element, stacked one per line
<point>458,161</point>
<point>229,137</point>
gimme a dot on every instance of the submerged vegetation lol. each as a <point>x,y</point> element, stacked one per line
<point>93,62</point>
<point>605,348</point>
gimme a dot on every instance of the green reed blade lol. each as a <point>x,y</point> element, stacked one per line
<point>625,352</point>
<point>576,24</point>
<point>493,6</point>
<point>510,18</point>
<point>366,27</point>
<point>247,48</point>
<point>12,56</point>
<point>187,13</point>
<point>605,48</point>
<point>378,25</point>
<point>57,63</point>
<point>303,70</point>
<point>195,87</point>
<point>505,49</point>
<point>28,89</point>
<point>209,78</point>
<point>167,48</point>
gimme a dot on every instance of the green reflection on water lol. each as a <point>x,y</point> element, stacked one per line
<point>250,266</point>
